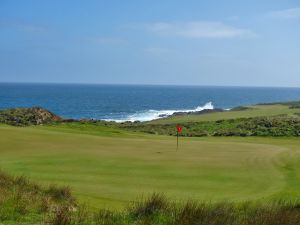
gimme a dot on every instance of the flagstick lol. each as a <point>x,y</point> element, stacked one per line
<point>177,142</point>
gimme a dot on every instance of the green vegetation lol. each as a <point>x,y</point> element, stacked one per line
<point>108,165</point>
<point>280,119</point>
<point>243,122</point>
<point>27,116</point>
<point>24,202</point>
<point>252,111</point>
<point>257,126</point>
<point>112,171</point>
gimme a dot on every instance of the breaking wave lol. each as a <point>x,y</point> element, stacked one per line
<point>149,115</point>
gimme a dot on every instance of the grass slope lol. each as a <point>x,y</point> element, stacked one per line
<point>111,169</point>
<point>252,111</point>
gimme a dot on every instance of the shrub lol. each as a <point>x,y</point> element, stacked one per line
<point>154,204</point>
<point>60,193</point>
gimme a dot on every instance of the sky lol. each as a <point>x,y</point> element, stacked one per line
<point>166,42</point>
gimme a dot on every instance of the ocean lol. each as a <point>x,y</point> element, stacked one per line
<point>134,102</point>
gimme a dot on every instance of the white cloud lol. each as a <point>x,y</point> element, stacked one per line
<point>292,13</point>
<point>199,30</point>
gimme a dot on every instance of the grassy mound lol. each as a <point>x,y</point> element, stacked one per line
<point>27,116</point>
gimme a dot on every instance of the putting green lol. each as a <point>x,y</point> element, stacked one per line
<point>111,170</point>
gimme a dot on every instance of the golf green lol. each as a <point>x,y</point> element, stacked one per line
<point>110,171</point>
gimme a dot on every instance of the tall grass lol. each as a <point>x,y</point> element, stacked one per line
<point>157,210</point>
<point>24,202</point>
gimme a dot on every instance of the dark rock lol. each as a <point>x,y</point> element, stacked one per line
<point>163,115</point>
<point>205,111</point>
<point>241,108</point>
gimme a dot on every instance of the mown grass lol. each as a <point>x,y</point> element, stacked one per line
<point>99,128</point>
<point>112,170</point>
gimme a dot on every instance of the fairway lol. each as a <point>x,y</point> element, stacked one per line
<point>110,171</point>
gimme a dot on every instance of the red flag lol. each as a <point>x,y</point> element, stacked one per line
<point>179,128</point>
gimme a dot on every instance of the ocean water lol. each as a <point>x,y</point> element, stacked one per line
<point>134,102</point>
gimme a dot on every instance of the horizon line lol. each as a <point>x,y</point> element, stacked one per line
<point>140,84</point>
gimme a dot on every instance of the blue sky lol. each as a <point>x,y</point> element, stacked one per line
<point>189,42</point>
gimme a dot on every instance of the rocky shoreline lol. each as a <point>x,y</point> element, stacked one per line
<point>204,111</point>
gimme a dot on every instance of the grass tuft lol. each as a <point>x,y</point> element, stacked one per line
<point>60,193</point>
<point>24,202</point>
<point>152,205</point>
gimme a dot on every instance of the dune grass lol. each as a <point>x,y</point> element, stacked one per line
<point>110,170</point>
<point>24,202</point>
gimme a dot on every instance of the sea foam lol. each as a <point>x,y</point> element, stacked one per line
<point>149,115</point>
